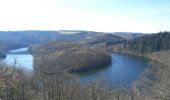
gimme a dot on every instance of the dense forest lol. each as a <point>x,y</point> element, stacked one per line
<point>128,35</point>
<point>150,43</point>
<point>69,56</point>
<point>156,78</point>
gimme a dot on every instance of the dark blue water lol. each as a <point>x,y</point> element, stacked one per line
<point>123,70</point>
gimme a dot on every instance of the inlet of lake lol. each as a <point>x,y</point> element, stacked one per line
<point>123,70</point>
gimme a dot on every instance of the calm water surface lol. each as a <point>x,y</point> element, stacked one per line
<point>23,58</point>
<point>123,70</point>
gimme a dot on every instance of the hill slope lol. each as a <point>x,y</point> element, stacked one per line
<point>69,56</point>
<point>150,43</point>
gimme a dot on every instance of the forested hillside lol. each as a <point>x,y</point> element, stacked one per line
<point>155,79</point>
<point>150,43</point>
<point>90,37</point>
<point>128,35</point>
<point>108,39</point>
<point>18,39</point>
<point>7,45</point>
<point>69,56</point>
<point>83,50</point>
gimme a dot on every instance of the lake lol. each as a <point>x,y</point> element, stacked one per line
<point>22,56</point>
<point>123,70</point>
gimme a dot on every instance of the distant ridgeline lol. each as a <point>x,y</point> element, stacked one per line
<point>150,43</point>
<point>7,45</point>
<point>18,39</point>
<point>28,37</point>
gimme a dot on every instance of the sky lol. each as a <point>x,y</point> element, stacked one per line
<point>146,16</point>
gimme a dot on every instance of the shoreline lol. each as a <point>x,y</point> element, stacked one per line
<point>152,77</point>
<point>2,56</point>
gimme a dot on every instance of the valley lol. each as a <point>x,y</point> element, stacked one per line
<point>131,66</point>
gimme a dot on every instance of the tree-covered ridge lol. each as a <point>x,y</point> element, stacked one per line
<point>7,45</point>
<point>150,43</point>
<point>70,56</point>
<point>128,35</point>
<point>18,39</point>
<point>108,39</point>
<point>92,38</point>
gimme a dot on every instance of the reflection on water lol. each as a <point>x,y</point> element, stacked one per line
<point>18,50</point>
<point>23,58</point>
<point>123,70</point>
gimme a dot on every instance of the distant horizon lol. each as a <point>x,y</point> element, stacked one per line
<point>74,30</point>
<point>144,16</point>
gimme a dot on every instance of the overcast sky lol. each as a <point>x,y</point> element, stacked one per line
<point>95,15</point>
